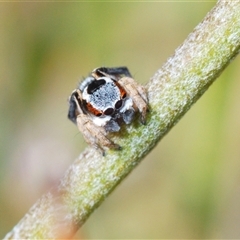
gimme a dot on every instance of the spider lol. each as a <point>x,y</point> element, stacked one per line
<point>103,101</point>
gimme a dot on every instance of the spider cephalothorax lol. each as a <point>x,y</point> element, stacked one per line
<point>105,100</point>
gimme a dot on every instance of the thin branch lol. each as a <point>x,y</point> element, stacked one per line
<point>172,91</point>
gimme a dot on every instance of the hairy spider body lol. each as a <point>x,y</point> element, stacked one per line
<point>103,101</point>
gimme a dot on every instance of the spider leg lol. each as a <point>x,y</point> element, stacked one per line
<point>116,72</point>
<point>72,109</point>
<point>138,94</point>
<point>94,135</point>
<point>75,105</point>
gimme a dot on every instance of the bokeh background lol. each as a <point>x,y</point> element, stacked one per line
<point>187,187</point>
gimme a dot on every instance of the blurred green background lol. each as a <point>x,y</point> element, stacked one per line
<point>187,187</point>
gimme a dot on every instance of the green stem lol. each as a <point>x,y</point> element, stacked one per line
<point>172,91</point>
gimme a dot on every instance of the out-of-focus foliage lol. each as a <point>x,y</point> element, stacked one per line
<point>188,187</point>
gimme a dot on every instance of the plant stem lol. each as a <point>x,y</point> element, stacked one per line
<point>172,91</point>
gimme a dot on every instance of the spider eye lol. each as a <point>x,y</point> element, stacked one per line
<point>109,111</point>
<point>118,104</point>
